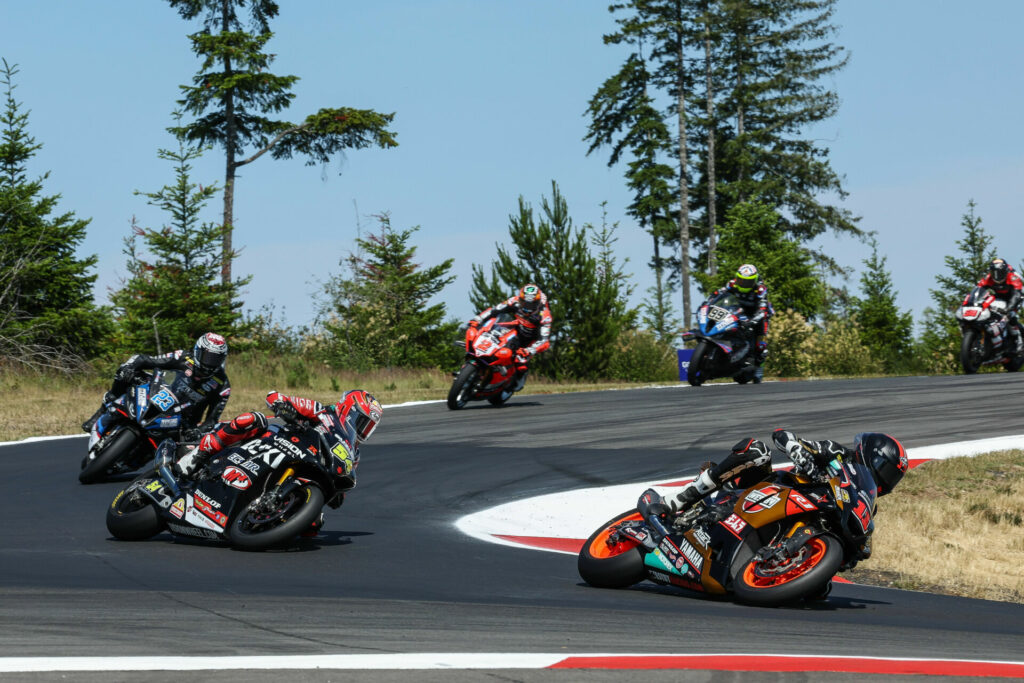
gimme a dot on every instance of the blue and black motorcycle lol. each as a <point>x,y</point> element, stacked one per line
<point>725,347</point>
<point>126,435</point>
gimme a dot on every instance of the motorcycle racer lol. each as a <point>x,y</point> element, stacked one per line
<point>877,461</point>
<point>533,321</point>
<point>361,410</point>
<point>1007,286</point>
<point>752,295</point>
<point>201,380</point>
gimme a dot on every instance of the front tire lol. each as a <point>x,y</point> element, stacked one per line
<point>132,517</point>
<point>97,469</point>
<point>255,530</point>
<point>702,360</point>
<point>606,565</point>
<point>804,575</point>
<point>462,387</point>
<point>972,351</point>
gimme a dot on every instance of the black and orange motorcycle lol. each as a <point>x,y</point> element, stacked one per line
<point>778,541</point>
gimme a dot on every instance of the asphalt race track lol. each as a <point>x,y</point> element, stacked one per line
<point>391,574</point>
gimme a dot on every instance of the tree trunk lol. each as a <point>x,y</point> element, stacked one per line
<point>684,196</point>
<point>659,289</point>
<point>229,172</point>
<point>712,218</point>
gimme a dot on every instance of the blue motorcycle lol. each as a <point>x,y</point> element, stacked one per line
<point>126,435</point>
<point>725,347</point>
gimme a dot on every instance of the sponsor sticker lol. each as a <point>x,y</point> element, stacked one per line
<point>734,523</point>
<point>178,509</point>
<point>761,499</point>
<point>236,478</point>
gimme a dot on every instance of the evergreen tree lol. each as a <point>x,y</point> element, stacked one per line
<point>940,338</point>
<point>586,294</point>
<point>886,331</point>
<point>623,116</point>
<point>174,293</point>
<point>234,92</point>
<point>47,315</point>
<point>380,316</point>
<point>753,233</point>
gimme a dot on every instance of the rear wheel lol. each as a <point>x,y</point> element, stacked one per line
<point>132,517</point>
<point>805,574</point>
<point>462,387</point>
<point>117,449</point>
<point>608,562</point>
<point>264,525</point>
<point>972,351</point>
<point>704,358</point>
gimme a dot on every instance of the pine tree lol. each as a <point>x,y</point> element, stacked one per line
<point>940,338</point>
<point>883,329</point>
<point>623,117</point>
<point>753,233</point>
<point>586,294</point>
<point>381,315</point>
<point>47,315</point>
<point>174,292</point>
<point>234,92</point>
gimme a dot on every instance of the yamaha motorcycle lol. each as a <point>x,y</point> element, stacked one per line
<point>724,348</point>
<point>778,541</point>
<point>986,333</point>
<point>489,372</point>
<point>259,493</point>
<point>125,437</point>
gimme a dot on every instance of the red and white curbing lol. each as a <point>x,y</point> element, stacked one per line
<point>497,661</point>
<point>560,522</point>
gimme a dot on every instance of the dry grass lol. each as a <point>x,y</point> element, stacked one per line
<point>42,404</point>
<point>953,526</point>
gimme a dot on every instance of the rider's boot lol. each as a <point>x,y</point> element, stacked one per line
<point>1018,340</point>
<point>314,528</point>
<point>693,492</point>
<point>520,380</point>
<point>88,424</point>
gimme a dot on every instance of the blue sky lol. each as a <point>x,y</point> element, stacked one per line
<point>489,98</point>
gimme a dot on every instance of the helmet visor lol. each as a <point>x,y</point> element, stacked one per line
<point>209,361</point>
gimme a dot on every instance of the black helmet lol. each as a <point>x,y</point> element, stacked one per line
<point>884,456</point>
<point>998,269</point>
<point>210,352</point>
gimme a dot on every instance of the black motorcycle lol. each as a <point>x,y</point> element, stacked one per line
<point>986,333</point>
<point>126,435</point>
<point>259,493</point>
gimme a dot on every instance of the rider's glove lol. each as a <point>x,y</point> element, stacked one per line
<point>474,323</point>
<point>125,373</point>
<point>522,355</point>
<point>192,434</point>
<point>285,410</point>
<point>801,453</point>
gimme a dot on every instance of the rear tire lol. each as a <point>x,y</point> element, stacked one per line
<point>132,517</point>
<point>459,394</point>
<point>972,351</point>
<point>702,359</point>
<point>617,566</point>
<point>254,531</point>
<point>97,469</point>
<point>806,576</point>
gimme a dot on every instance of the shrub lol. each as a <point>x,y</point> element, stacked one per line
<point>640,357</point>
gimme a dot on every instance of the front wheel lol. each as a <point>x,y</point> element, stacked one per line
<point>803,575</point>
<point>132,517</point>
<point>99,467</point>
<point>609,562</point>
<point>972,351</point>
<point>701,362</point>
<point>262,525</point>
<point>462,387</point>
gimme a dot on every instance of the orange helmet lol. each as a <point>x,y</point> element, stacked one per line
<point>363,410</point>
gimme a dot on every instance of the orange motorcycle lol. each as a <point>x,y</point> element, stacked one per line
<point>778,541</point>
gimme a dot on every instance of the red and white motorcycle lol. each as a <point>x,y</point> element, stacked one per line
<point>987,338</point>
<point>489,372</point>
